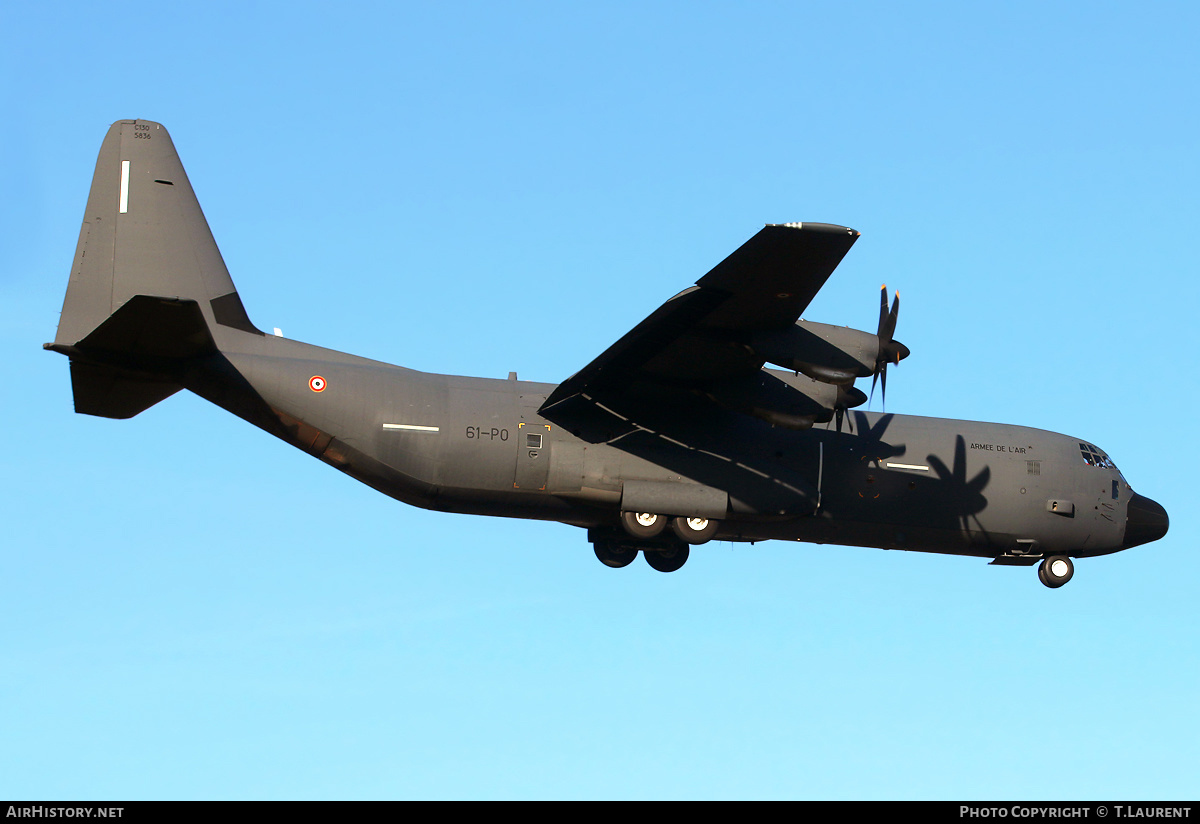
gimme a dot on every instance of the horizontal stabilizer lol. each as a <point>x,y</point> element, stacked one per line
<point>111,392</point>
<point>132,360</point>
<point>153,327</point>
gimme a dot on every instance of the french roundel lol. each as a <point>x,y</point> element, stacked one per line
<point>316,383</point>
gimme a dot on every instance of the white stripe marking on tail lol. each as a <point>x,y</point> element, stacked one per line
<point>124,186</point>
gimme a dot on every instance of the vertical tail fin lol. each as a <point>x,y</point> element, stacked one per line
<point>148,285</point>
<point>144,234</point>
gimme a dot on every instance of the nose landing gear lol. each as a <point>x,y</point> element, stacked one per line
<point>1055,571</point>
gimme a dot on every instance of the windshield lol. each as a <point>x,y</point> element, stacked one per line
<point>1092,456</point>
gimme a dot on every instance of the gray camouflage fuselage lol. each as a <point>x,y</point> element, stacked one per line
<point>678,421</point>
<point>460,444</point>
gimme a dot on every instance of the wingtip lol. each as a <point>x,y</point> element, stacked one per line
<point>830,228</point>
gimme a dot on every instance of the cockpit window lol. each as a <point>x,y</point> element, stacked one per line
<point>1092,456</point>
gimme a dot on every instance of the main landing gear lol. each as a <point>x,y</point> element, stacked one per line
<point>1055,571</point>
<point>646,525</point>
<point>646,532</point>
<point>666,554</point>
<point>613,553</point>
<point>667,560</point>
<point>694,530</point>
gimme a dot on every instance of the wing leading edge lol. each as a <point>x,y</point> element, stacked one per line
<point>698,340</point>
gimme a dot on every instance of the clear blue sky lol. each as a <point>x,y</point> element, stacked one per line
<point>192,609</point>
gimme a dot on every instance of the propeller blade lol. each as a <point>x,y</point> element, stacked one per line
<point>890,350</point>
<point>848,397</point>
<point>883,309</point>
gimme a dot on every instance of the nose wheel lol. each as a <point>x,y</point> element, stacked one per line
<point>1056,571</point>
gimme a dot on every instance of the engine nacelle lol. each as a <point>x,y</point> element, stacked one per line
<point>785,400</point>
<point>825,353</point>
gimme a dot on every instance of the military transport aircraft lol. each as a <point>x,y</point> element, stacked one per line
<point>678,434</point>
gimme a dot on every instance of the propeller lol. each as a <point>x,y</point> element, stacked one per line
<point>890,350</point>
<point>848,397</point>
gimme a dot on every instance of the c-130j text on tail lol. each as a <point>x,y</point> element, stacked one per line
<point>676,435</point>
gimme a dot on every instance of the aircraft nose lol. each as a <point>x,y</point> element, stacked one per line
<point>1147,521</point>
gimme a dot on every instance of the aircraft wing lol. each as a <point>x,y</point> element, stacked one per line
<point>698,338</point>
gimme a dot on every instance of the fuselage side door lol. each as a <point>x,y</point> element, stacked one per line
<point>533,445</point>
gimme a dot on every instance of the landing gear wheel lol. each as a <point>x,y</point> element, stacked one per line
<point>643,525</point>
<point>1056,571</point>
<point>667,560</point>
<point>614,555</point>
<point>694,530</point>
